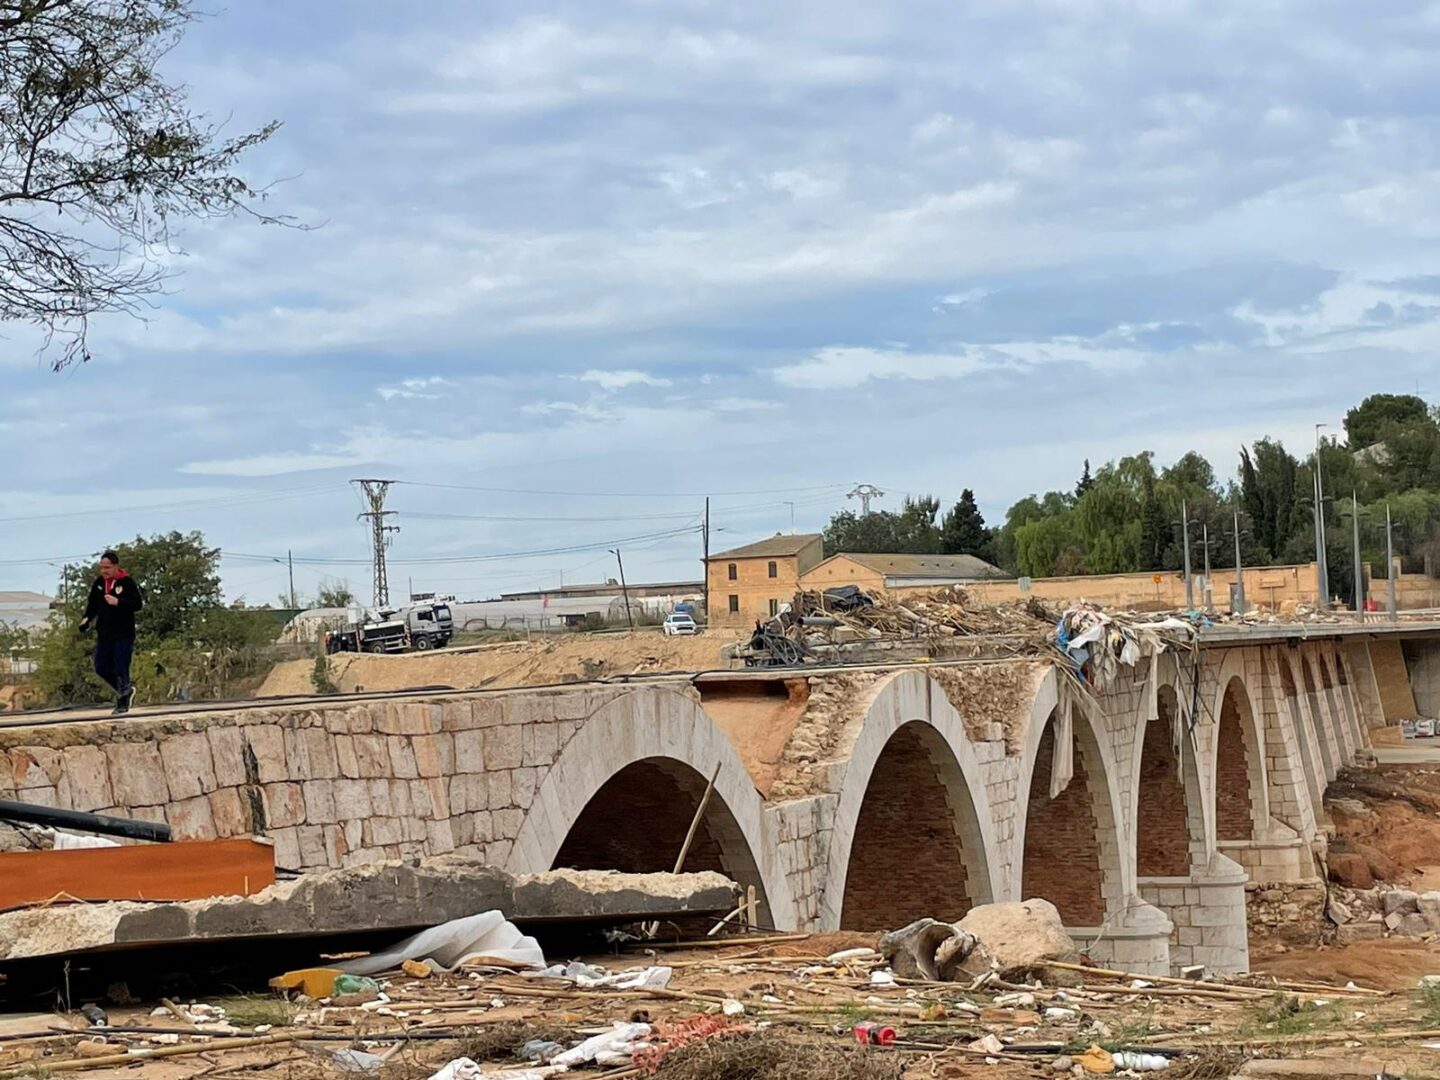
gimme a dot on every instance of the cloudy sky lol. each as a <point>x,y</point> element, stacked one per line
<point>578,267</point>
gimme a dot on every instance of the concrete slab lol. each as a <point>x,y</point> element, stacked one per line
<point>378,896</point>
<point>1313,1068</point>
<point>1416,752</point>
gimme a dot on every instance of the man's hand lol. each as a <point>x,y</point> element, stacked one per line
<point>111,599</point>
<point>84,625</point>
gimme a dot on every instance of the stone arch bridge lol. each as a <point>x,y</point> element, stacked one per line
<point>850,798</point>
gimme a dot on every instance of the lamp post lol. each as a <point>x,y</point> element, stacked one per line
<point>1322,564</point>
<point>1359,570</point>
<point>1185,535</point>
<point>1239,596</point>
<point>1390,565</point>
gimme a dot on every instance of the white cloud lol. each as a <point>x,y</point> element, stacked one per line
<point>422,389</point>
<point>838,367</point>
<point>276,464</point>
<point>619,380</point>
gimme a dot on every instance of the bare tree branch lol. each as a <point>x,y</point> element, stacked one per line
<point>98,157</point>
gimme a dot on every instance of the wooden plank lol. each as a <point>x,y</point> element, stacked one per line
<point>184,871</point>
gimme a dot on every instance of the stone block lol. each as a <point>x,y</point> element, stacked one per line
<point>320,801</point>
<point>372,755</point>
<point>500,789</point>
<point>483,830</point>
<point>336,846</point>
<point>547,744</point>
<point>297,754</point>
<point>320,750</point>
<point>229,813</point>
<point>1429,906</point>
<point>284,805</point>
<point>191,819</point>
<point>381,831</point>
<point>353,798</point>
<point>1350,933</point>
<point>469,793</point>
<point>287,849</point>
<point>426,751</point>
<point>379,796</point>
<point>268,746</point>
<point>36,767</point>
<point>413,830</point>
<point>469,755</point>
<point>507,823</point>
<point>1402,900</point>
<point>402,757</point>
<point>522,785</point>
<point>1413,925</point>
<point>227,755</point>
<point>439,838</point>
<point>345,758</point>
<point>311,840</point>
<point>400,800</point>
<point>137,774</point>
<point>189,768</point>
<point>86,768</point>
<point>503,747</point>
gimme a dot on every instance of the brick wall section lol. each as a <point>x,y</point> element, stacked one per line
<point>1422,659</point>
<point>1162,827</point>
<point>637,821</point>
<point>907,860</point>
<point>802,830</point>
<point>1387,658</point>
<point>1062,849</point>
<point>1234,815</point>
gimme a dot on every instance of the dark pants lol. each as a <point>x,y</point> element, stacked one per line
<point>112,663</point>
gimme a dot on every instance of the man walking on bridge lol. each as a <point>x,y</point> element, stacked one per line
<point>114,599</point>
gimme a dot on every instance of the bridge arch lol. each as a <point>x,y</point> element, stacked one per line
<point>1311,763</point>
<point>1238,789</point>
<point>1168,805</point>
<point>911,753</point>
<point>1070,847</point>
<point>631,778</point>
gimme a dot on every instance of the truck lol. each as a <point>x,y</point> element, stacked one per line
<point>420,625</point>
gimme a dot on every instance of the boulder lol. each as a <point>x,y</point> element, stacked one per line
<point>1351,870</point>
<point>1428,905</point>
<point>1402,900</point>
<point>1015,938</point>
<point>1413,925</point>
<point>1339,913</point>
<point>1382,866</point>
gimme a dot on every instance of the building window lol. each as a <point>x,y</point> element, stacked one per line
<point>774,604</point>
<point>734,603</point>
<point>774,572</point>
<point>730,572</point>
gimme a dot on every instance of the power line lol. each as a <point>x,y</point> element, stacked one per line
<point>616,494</point>
<point>182,504</point>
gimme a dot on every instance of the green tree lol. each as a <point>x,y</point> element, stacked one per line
<point>1269,478</point>
<point>100,156</point>
<point>963,531</point>
<point>910,530</point>
<point>334,595</point>
<point>1365,423</point>
<point>178,574</point>
<point>1083,484</point>
<point>1153,532</point>
<point>1047,546</point>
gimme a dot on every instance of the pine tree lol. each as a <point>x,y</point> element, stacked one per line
<point>963,531</point>
<point>1152,526</point>
<point>1085,481</point>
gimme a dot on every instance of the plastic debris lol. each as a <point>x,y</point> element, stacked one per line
<point>620,1042</point>
<point>357,1061</point>
<point>1138,1062</point>
<point>731,1007</point>
<point>541,1050</point>
<point>487,939</point>
<point>845,956</point>
<point>882,978</point>
<point>869,1033</point>
<point>1096,1060</point>
<point>990,1044</point>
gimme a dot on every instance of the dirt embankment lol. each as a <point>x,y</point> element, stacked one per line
<point>1387,825</point>
<point>563,658</point>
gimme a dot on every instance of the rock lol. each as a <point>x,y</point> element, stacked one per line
<point>1402,900</point>
<point>1393,920</point>
<point>1289,911</point>
<point>911,950</point>
<point>1351,870</point>
<point>1350,933</point>
<point>1428,905</point>
<point>1016,938</point>
<point>1339,913</point>
<point>1382,867</point>
<point>1412,925</point>
<point>1272,896</point>
<point>1062,1064</point>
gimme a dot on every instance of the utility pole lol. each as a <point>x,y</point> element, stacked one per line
<point>1185,533</point>
<point>1390,565</point>
<point>705,556</point>
<point>1322,562</point>
<point>1359,570</point>
<point>865,492</point>
<point>290,559</point>
<point>1239,570</point>
<point>380,533</point>
<point>623,589</point>
<point>1209,590</point>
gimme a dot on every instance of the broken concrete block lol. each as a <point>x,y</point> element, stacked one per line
<point>1393,920</point>
<point>1339,913</point>
<point>1413,925</point>
<point>1350,933</point>
<point>1429,906</point>
<point>911,950</point>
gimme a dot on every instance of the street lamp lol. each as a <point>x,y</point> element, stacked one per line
<point>1238,599</point>
<point>1322,564</point>
<point>1185,524</point>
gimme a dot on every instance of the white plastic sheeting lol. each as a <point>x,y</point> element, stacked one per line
<point>487,939</point>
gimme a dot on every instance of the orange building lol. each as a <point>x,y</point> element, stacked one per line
<point>751,582</point>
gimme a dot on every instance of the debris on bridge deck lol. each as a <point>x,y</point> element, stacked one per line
<point>776,1007</point>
